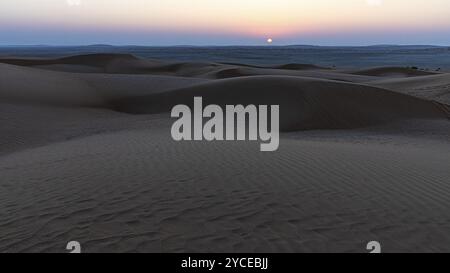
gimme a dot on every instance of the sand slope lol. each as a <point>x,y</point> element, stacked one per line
<point>435,87</point>
<point>137,191</point>
<point>305,103</point>
<point>86,154</point>
<point>40,86</point>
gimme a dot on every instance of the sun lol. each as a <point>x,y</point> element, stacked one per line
<point>269,41</point>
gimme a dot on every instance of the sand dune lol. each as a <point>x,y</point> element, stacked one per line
<point>436,87</point>
<point>99,60</point>
<point>113,63</point>
<point>305,103</point>
<point>86,154</point>
<point>235,72</point>
<point>296,66</point>
<point>40,86</point>
<point>34,85</point>
<point>113,87</point>
<point>127,64</point>
<point>289,66</point>
<point>137,191</point>
<point>393,72</point>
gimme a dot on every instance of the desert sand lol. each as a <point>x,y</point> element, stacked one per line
<point>86,154</point>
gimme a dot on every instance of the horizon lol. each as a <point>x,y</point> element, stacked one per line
<point>225,45</point>
<point>215,23</point>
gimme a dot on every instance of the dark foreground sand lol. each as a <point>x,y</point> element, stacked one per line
<point>86,155</point>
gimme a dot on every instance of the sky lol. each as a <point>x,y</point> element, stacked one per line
<point>224,22</point>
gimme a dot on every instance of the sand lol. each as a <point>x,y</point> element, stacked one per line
<point>86,155</point>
